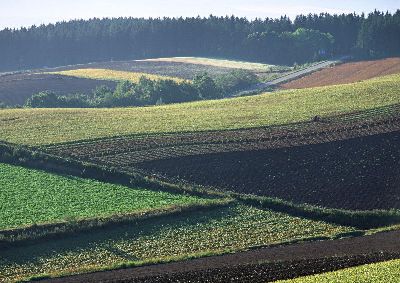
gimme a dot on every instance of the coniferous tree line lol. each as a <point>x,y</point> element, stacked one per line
<point>275,41</point>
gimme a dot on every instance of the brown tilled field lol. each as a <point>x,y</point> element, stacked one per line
<point>347,73</point>
<point>345,162</point>
<point>260,265</point>
<point>17,88</point>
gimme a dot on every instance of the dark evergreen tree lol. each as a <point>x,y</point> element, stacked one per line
<point>267,40</point>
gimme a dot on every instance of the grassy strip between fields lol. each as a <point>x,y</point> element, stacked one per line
<point>30,158</point>
<point>382,272</point>
<point>30,196</point>
<point>358,219</point>
<point>234,227</point>
<point>112,75</point>
<point>51,126</point>
<point>44,231</point>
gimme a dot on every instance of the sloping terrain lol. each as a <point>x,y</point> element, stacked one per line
<point>377,272</point>
<point>347,73</point>
<point>26,126</point>
<point>258,67</point>
<point>346,161</point>
<point>356,174</point>
<point>179,236</point>
<point>172,69</point>
<point>24,198</point>
<point>262,265</point>
<point>112,75</point>
<point>304,165</point>
<point>15,89</point>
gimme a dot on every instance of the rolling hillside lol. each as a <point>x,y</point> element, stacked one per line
<point>347,73</point>
<point>267,160</point>
<point>15,89</point>
<point>25,126</point>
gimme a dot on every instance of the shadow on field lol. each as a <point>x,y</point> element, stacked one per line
<point>105,238</point>
<point>355,174</point>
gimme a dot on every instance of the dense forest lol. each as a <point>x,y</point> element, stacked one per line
<point>274,41</point>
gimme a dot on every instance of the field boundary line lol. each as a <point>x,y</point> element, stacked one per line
<point>39,232</point>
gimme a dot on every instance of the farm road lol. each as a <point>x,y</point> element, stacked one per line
<point>292,76</point>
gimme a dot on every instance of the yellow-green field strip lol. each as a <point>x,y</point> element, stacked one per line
<point>49,126</point>
<point>233,64</point>
<point>113,75</point>
<point>383,272</point>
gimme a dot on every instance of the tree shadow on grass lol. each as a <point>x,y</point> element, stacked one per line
<point>105,237</point>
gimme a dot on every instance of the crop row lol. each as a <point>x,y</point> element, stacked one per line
<point>250,66</point>
<point>374,273</point>
<point>112,75</point>
<point>270,272</point>
<point>355,174</point>
<point>171,69</point>
<point>216,230</point>
<point>36,127</point>
<point>129,150</point>
<point>35,197</point>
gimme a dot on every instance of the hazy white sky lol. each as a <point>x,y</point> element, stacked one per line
<point>17,13</point>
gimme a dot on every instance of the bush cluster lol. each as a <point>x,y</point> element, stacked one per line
<point>148,92</point>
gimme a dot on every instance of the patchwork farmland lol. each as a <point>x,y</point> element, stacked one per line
<point>262,177</point>
<point>262,265</point>
<point>347,73</point>
<point>111,75</point>
<point>199,149</point>
<point>275,172</point>
<point>15,89</point>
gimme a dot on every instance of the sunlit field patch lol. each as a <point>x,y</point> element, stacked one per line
<point>373,273</point>
<point>113,75</point>
<point>234,64</point>
<point>212,231</point>
<point>49,126</point>
<point>34,197</point>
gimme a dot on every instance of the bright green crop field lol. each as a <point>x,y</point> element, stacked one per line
<point>383,272</point>
<point>211,231</point>
<point>48,126</point>
<point>33,197</point>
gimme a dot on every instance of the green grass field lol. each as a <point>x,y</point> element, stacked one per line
<point>34,197</point>
<point>206,232</point>
<point>383,272</point>
<point>48,126</point>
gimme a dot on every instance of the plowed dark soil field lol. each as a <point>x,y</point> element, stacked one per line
<point>347,73</point>
<point>17,88</point>
<point>348,162</point>
<point>261,265</point>
<point>355,174</point>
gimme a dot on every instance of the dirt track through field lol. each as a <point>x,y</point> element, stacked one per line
<point>255,265</point>
<point>347,73</point>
